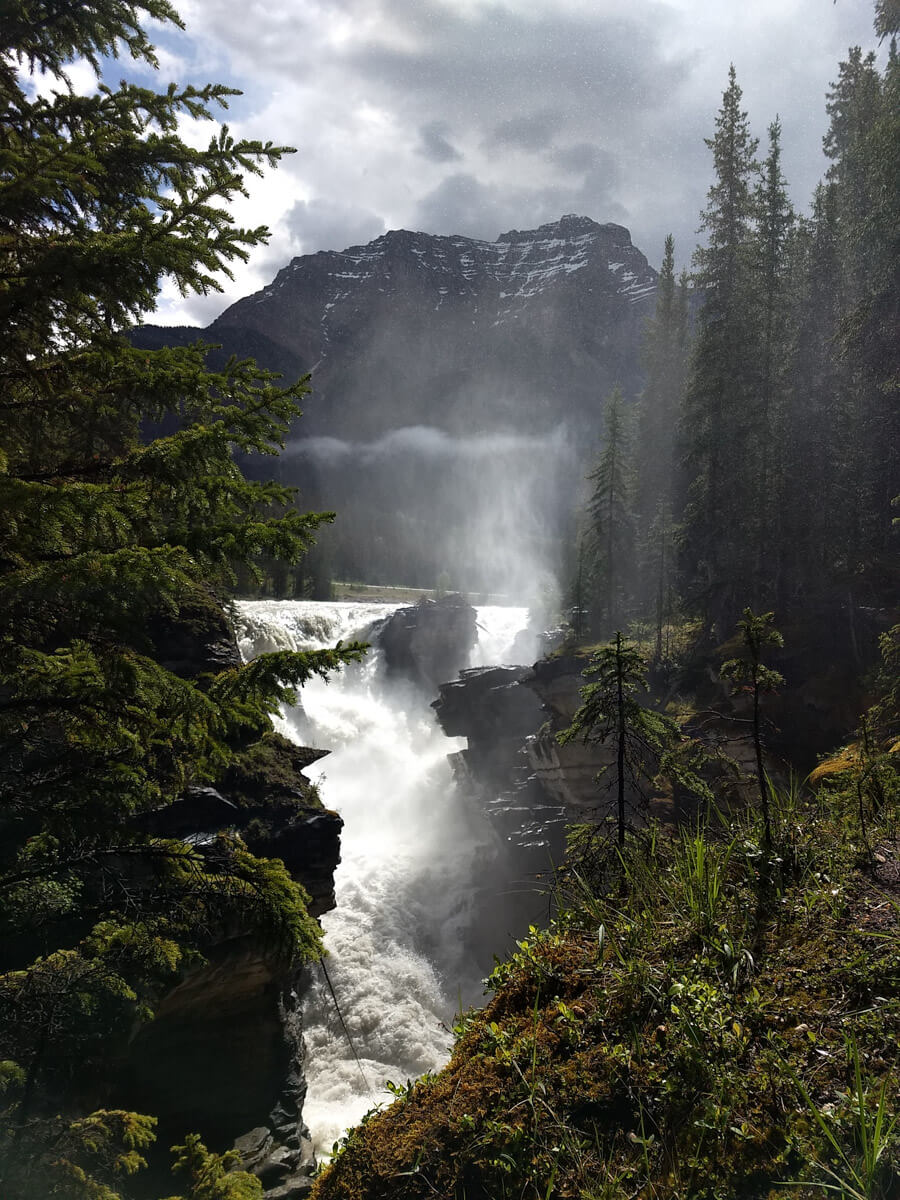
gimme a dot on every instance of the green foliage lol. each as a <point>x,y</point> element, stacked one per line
<point>749,673</point>
<point>90,1158</point>
<point>609,534</point>
<point>790,405</point>
<point>124,517</point>
<point>212,1176</point>
<point>720,449</point>
<point>665,354</point>
<point>648,743</point>
<point>670,1036</point>
<point>863,1172</point>
<point>757,632</point>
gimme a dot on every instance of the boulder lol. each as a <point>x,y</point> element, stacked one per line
<point>426,642</point>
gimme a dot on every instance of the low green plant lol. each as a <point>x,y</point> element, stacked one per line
<point>700,870</point>
<point>861,1172</point>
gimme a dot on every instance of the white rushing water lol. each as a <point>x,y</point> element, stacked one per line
<point>414,856</point>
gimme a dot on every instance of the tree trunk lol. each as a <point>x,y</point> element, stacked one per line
<point>760,770</point>
<point>620,763</point>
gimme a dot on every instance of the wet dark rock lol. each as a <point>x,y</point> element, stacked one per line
<point>254,1146</point>
<point>309,845</point>
<point>198,640</point>
<point>490,707</point>
<point>278,816</point>
<point>216,1054</point>
<point>201,810</point>
<point>426,642</point>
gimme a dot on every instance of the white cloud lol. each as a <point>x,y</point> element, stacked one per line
<point>474,116</point>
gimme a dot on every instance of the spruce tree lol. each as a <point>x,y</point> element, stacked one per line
<point>611,529</point>
<point>815,531</point>
<point>647,743</point>
<point>665,362</point>
<point>665,358</point>
<point>771,266</point>
<point>863,142</point>
<point>718,426</point>
<point>107,538</point>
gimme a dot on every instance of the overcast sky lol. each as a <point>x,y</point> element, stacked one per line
<point>479,116</point>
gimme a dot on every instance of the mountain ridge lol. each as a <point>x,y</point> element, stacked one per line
<point>528,331</point>
<point>457,391</point>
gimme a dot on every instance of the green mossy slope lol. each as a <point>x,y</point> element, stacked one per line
<point>698,1022</point>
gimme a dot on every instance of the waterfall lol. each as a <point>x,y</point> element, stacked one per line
<point>404,939</point>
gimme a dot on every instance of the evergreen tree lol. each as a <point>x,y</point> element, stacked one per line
<point>771,266</point>
<point>749,673</point>
<point>816,535</point>
<point>665,362</point>
<point>611,529</point>
<point>718,418</point>
<point>105,539</point>
<point>647,743</point>
<point>863,142</point>
<point>665,359</point>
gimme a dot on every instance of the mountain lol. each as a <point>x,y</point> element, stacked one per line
<point>457,390</point>
<point>465,335</point>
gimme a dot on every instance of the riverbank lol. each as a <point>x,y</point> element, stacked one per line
<point>704,1020</point>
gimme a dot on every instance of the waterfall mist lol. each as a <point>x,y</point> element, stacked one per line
<point>411,936</point>
<point>484,513</point>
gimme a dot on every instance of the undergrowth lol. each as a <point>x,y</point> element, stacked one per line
<point>701,1020</point>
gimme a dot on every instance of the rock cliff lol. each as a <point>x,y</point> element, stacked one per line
<point>452,332</point>
<point>223,1054</point>
<point>425,642</point>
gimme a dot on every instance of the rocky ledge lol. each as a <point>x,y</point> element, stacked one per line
<point>223,1054</point>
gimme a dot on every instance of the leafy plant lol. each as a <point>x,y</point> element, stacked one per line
<point>749,673</point>
<point>861,1173</point>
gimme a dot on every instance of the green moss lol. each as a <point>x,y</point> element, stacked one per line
<point>664,1039</point>
<point>269,773</point>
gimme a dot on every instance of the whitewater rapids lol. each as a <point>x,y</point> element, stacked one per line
<point>415,856</point>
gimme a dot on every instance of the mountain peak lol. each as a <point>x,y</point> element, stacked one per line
<point>569,226</point>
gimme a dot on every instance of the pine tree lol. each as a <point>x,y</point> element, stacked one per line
<point>611,529</point>
<point>863,142</point>
<point>106,537</point>
<point>647,743</point>
<point>771,267</point>
<point>815,531</point>
<point>665,359</point>
<point>665,362</point>
<point>718,429</point>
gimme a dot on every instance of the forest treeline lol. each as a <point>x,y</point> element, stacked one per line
<point>759,465</point>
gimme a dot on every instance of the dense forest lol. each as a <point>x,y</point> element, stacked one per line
<point>712,1014</point>
<point>761,466</point>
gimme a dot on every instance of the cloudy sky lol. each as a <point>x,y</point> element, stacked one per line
<point>479,116</point>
